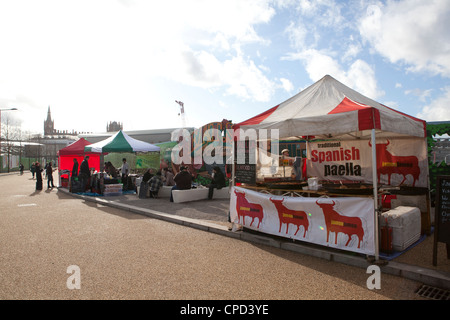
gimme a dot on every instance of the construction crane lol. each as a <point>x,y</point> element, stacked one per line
<point>183,120</point>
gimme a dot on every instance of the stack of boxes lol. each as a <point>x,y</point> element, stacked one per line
<point>113,190</point>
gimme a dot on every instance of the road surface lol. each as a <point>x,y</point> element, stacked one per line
<point>54,246</point>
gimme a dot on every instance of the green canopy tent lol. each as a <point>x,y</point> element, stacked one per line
<point>121,142</point>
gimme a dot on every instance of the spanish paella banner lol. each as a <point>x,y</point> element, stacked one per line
<point>398,161</point>
<point>345,223</point>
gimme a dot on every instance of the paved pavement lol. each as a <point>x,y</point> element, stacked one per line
<point>211,215</point>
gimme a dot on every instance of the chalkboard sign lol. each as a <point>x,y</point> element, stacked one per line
<point>442,214</point>
<point>245,170</point>
<point>245,173</point>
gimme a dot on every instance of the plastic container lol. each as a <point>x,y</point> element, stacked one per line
<point>406,226</point>
<point>313,183</point>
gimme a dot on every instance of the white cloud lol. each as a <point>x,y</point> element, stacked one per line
<point>318,64</point>
<point>107,54</point>
<point>360,76</point>
<point>325,12</point>
<point>314,20</point>
<point>422,94</point>
<point>245,80</point>
<point>438,109</point>
<point>352,52</point>
<point>286,85</point>
<point>297,34</point>
<point>413,32</point>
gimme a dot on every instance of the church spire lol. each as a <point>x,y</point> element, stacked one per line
<point>49,127</point>
<point>49,114</point>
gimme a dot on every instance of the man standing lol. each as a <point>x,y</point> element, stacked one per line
<point>49,172</point>
<point>125,169</point>
<point>85,173</point>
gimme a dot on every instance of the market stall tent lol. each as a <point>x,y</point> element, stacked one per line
<point>121,142</point>
<point>76,150</point>
<point>329,110</point>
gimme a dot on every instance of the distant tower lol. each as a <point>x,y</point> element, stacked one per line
<point>114,126</point>
<point>49,124</point>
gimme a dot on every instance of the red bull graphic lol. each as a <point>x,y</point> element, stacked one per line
<point>345,223</point>
<point>388,164</point>
<point>337,223</point>
<point>288,216</point>
<point>247,209</point>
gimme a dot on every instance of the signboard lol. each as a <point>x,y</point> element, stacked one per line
<point>442,215</point>
<point>245,168</point>
<point>398,162</point>
<point>345,223</point>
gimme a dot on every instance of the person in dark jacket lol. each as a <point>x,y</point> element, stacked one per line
<point>85,173</point>
<point>38,172</point>
<point>183,181</point>
<point>155,184</point>
<point>75,168</point>
<point>33,169</point>
<point>143,189</point>
<point>49,172</point>
<point>218,181</point>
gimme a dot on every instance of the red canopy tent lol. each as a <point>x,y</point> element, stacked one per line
<point>76,151</point>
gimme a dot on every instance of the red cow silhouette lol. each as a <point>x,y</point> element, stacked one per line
<point>390,164</point>
<point>298,218</point>
<point>336,223</point>
<point>245,208</point>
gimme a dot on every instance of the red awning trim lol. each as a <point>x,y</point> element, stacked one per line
<point>256,119</point>
<point>348,105</point>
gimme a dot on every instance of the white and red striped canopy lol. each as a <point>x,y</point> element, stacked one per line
<point>329,109</point>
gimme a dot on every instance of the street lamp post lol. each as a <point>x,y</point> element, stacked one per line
<point>10,109</point>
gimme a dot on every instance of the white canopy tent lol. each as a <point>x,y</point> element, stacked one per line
<point>330,110</point>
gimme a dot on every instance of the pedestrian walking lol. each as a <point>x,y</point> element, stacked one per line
<point>33,169</point>
<point>49,171</point>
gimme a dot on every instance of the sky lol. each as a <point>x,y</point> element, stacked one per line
<point>97,61</point>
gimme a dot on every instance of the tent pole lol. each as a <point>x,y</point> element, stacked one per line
<point>375,193</point>
<point>233,166</point>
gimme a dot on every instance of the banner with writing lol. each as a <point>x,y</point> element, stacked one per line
<point>398,161</point>
<point>345,223</point>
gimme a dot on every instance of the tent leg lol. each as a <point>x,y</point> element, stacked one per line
<point>375,193</point>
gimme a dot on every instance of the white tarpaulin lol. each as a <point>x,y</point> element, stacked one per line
<point>345,222</point>
<point>329,109</point>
